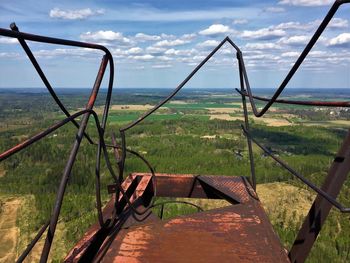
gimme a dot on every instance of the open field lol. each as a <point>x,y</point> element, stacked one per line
<point>284,198</point>
<point>274,122</point>
<point>9,231</point>
<point>225,117</point>
<point>131,107</point>
<point>331,123</point>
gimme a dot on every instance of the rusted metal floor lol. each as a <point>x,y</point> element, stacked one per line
<point>240,232</point>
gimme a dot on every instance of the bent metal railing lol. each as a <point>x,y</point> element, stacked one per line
<point>326,195</point>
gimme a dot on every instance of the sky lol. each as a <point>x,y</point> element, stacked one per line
<point>156,44</point>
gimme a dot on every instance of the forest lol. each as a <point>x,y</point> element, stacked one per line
<point>198,133</point>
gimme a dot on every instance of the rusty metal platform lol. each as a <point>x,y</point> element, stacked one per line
<point>240,232</point>
<point>237,233</point>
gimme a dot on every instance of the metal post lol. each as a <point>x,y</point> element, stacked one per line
<point>320,209</point>
<point>246,123</point>
<point>70,162</point>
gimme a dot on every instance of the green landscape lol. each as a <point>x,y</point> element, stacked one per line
<point>198,132</point>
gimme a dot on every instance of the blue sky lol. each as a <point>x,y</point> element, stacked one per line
<point>157,43</point>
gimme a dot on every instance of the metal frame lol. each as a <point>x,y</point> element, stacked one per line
<point>326,195</point>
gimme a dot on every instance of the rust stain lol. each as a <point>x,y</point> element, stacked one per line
<point>236,233</point>
<point>229,234</point>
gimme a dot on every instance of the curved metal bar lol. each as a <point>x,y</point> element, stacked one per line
<point>32,140</point>
<point>284,83</point>
<point>244,77</point>
<point>70,162</point>
<point>179,202</point>
<point>43,39</point>
<point>110,168</point>
<point>98,154</point>
<point>33,243</point>
<point>39,135</point>
<point>138,155</point>
<point>52,40</point>
<point>44,79</point>
<point>295,67</point>
<point>344,104</point>
<point>329,198</point>
<point>178,88</point>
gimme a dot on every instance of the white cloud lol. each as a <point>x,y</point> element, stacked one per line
<point>265,57</point>
<point>64,52</point>
<point>118,53</point>
<point>9,55</point>
<point>8,40</point>
<point>134,50</point>
<point>188,37</point>
<point>290,54</point>
<point>292,25</point>
<point>164,58</point>
<point>109,36</point>
<point>208,43</point>
<point>143,13</point>
<point>294,40</point>
<point>155,50</point>
<point>171,43</point>
<point>274,9</point>
<point>342,40</point>
<point>318,54</point>
<point>162,66</point>
<point>167,36</point>
<point>306,2</point>
<point>339,23</point>
<point>146,57</point>
<point>181,52</point>
<point>240,21</point>
<point>263,34</point>
<point>122,53</point>
<point>74,14</point>
<point>145,37</point>
<point>215,30</point>
<point>335,23</point>
<point>262,46</point>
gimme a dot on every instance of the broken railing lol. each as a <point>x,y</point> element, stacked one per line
<point>325,199</point>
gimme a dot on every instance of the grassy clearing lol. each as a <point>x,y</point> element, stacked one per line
<point>197,106</point>
<point>225,117</point>
<point>17,230</point>
<point>285,203</point>
<point>274,122</point>
<point>154,117</point>
<point>331,123</point>
<point>175,209</point>
<point>9,232</point>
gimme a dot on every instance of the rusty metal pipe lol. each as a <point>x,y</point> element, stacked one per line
<point>98,154</point>
<point>246,124</point>
<point>343,104</point>
<point>70,162</point>
<point>325,195</point>
<point>178,88</point>
<point>297,64</point>
<point>44,79</point>
<point>52,40</point>
<point>33,243</point>
<point>39,135</point>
